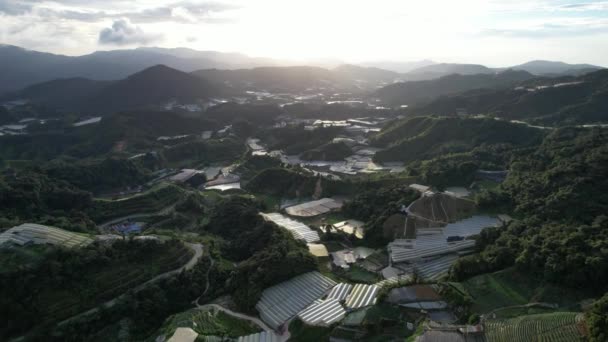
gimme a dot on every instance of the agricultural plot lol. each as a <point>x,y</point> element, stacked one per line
<point>30,233</point>
<point>298,229</point>
<point>509,288</point>
<point>553,327</point>
<point>314,208</point>
<point>323,312</point>
<point>210,322</point>
<point>149,202</point>
<point>283,301</point>
<point>362,296</point>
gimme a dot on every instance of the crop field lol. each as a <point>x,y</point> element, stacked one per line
<point>112,280</point>
<point>552,327</point>
<point>509,288</point>
<point>210,323</point>
<point>149,202</point>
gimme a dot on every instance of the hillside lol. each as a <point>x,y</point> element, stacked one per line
<point>540,67</point>
<point>574,100</point>
<point>301,78</point>
<point>407,93</point>
<point>421,138</point>
<point>21,67</point>
<point>433,71</point>
<point>148,88</point>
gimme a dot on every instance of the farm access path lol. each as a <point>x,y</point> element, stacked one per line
<point>198,253</point>
<point>282,337</point>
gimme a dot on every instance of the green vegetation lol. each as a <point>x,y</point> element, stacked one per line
<point>149,202</point>
<point>301,332</point>
<point>330,151</point>
<point>509,288</point>
<point>267,254</point>
<point>559,191</point>
<point>559,326</point>
<point>106,174</point>
<point>358,274</point>
<point>422,138</point>
<point>295,139</point>
<point>597,320</point>
<point>28,195</point>
<point>67,282</point>
<point>375,206</point>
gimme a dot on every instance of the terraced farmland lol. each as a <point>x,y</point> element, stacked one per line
<point>149,202</point>
<point>209,322</point>
<point>552,327</point>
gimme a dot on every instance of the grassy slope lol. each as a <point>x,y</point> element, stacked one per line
<point>509,287</point>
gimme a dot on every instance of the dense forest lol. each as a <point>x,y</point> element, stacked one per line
<point>559,192</point>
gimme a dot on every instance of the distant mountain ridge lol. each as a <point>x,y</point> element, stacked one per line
<point>412,92</point>
<point>545,101</point>
<point>151,87</point>
<point>20,67</point>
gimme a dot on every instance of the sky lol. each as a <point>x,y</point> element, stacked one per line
<point>494,33</point>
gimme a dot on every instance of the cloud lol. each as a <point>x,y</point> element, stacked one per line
<point>123,32</point>
<point>550,29</point>
<point>11,7</point>
<point>585,6</point>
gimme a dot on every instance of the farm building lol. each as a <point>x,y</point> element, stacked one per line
<point>323,312</point>
<point>298,229</point>
<point>184,175</point>
<point>343,259</point>
<point>420,188</point>
<point>362,296</point>
<point>127,227</point>
<point>414,293</point>
<point>30,233</point>
<point>319,250</point>
<point>340,291</point>
<point>351,227</point>
<point>283,301</point>
<point>435,249</point>
<point>183,335</point>
<point>264,336</point>
<point>314,208</point>
<point>457,191</point>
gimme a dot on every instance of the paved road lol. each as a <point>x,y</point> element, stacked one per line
<point>198,253</point>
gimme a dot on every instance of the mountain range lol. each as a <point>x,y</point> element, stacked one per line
<point>21,67</point>
<point>153,86</point>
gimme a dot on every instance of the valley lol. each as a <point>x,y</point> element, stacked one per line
<point>453,202</point>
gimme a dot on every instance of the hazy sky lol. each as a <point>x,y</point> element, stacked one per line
<point>491,32</point>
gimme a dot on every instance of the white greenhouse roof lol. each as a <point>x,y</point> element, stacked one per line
<point>323,312</point>
<point>40,234</point>
<point>264,336</point>
<point>340,291</point>
<point>283,301</point>
<point>298,229</point>
<point>362,296</point>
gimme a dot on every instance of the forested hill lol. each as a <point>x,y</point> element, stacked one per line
<point>559,192</point>
<point>421,138</point>
<point>408,93</point>
<point>560,101</point>
<point>150,87</point>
